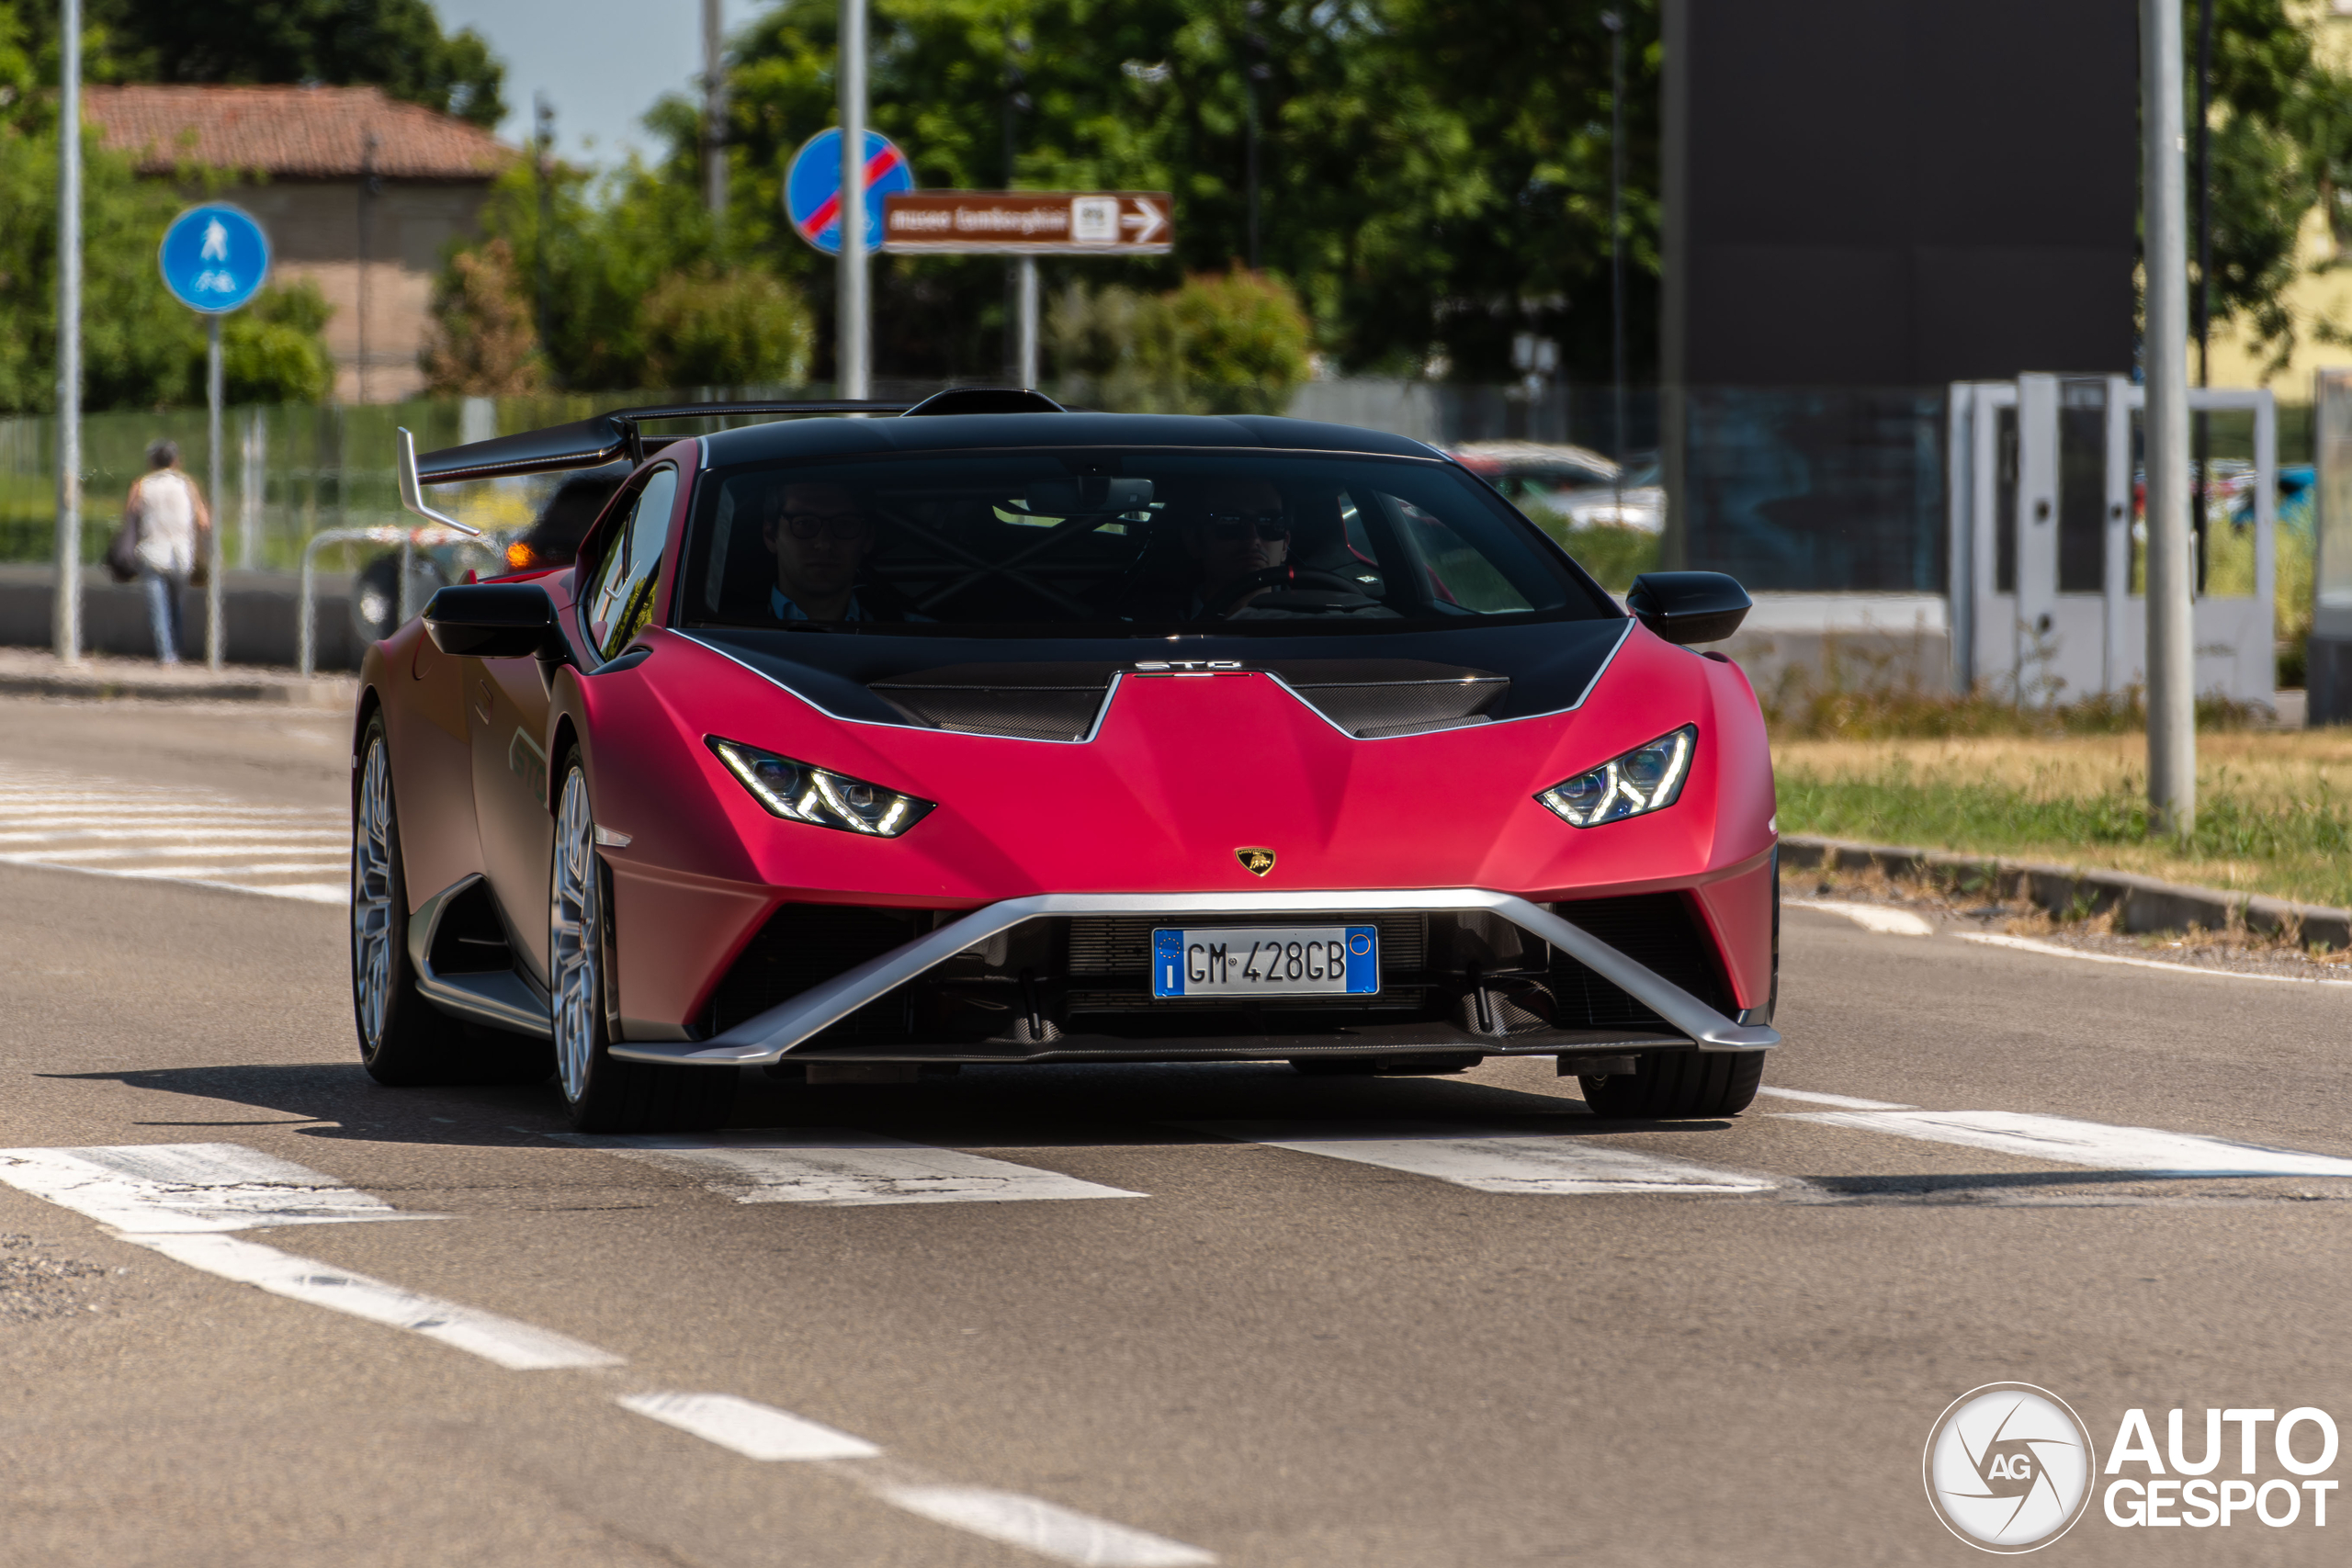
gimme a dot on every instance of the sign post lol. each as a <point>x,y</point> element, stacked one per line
<point>1029,224</point>
<point>215,259</point>
<point>812,200</point>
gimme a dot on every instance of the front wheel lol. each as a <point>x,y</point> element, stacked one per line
<point>1674,1085</point>
<point>603,1094</point>
<point>403,1040</point>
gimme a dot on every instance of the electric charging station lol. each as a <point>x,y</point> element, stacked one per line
<point>2045,479</point>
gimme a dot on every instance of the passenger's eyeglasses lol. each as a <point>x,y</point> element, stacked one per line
<point>1228,526</point>
<point>841,526</point>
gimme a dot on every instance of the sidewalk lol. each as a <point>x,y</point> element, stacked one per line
<point>25,671</point>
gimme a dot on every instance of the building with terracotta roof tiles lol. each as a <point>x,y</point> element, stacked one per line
<point>358,192</point>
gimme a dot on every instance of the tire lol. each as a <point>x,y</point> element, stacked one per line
<point>603,1093</point>
<point>1671,1085</point>
<point>404,1041</point>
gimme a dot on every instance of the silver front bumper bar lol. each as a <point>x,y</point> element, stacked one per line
<point>772,1036</point>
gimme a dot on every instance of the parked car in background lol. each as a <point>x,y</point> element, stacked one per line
<point>1636,502</point>
<point>1533,472</point>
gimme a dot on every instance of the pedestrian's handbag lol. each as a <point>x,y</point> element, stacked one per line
<point>122,550</point>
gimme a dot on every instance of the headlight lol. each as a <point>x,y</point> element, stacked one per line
<point>1647,778</point>
<point>799,793</point>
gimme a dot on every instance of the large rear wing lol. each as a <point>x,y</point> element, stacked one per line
<point>617,435</point>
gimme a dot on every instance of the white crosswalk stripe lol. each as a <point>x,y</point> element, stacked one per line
<point>168,834</point>
<point>2065,1141</point>
<point>843,1168</point>
<point>1548,1164</point>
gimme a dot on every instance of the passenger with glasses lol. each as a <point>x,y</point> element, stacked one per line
<point>819,536</point>
<point>1231,528</point>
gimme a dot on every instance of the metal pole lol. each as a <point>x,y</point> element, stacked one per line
<point>369,186</point>
<point>1616,25</point>
<point>1252,74</point>
<point>2202,306</point>
<point>853,345</point>
<point>714,112</point>
<point>68,615</point>
<point>253,452</point>
<point>543,167</point>
<point>215,634</point>
<point>2172,716</point>
<point>1028,268</point>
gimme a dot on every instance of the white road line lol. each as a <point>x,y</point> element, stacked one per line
<point>312,892</point>
<point>2064,1141</point>
<point>518,1346</point>
<point>745,1427</point>
<point>1843,1101</point>
<point>175,850</point>
<point>2053,950</point>
<point>1043,1527</point>
<point>843,1168</point>
<point>1870,916</point>
<point>1554,1164</point>
<point>155,1188</point>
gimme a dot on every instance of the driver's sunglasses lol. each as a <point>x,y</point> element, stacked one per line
<point>841,526</point>
<point>1228,526</point>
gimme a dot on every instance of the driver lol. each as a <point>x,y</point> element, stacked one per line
<point>819,536</point>
<point>1230,528</point>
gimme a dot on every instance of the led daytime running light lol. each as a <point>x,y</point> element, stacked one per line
<point>1646,779</point>
<point>799,792</point>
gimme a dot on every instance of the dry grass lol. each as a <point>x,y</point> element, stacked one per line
<point>2274,807</point>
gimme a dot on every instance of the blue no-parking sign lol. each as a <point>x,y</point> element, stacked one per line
<point>215,257</point>
<point>812,187</point>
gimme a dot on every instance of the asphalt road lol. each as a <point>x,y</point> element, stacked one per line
<point>1301,1333</point>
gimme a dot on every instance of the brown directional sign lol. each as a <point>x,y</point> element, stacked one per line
<point>1029,222</point>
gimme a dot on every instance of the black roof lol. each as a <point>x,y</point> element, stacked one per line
<point>790,438</point>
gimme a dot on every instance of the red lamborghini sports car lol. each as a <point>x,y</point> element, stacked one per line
<point>861,746</point>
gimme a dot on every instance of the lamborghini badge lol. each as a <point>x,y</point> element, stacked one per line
<point>1257,863</point>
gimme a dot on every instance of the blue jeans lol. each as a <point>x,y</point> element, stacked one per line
<point>163,590</point>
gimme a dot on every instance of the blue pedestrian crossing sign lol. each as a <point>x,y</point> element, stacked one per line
<point>812,187</point>
<point>215,257</point>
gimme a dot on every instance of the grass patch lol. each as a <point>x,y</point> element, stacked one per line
<point>2271,816</point>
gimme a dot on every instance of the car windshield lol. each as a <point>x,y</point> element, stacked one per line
<point>1096,542</point>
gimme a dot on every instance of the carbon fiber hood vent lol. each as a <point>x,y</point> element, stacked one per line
<point>1049,702</point>
<point>1371,698</point>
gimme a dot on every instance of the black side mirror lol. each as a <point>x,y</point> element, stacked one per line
<point>496,620</point>
<point>1680,606</point>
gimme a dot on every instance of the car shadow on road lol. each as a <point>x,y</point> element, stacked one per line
<point>982,1107</point>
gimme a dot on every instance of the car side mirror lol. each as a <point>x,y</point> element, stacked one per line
<point>1682,606</point>
<point>496,620</point>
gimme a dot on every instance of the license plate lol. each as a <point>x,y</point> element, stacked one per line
<point>1266,960</point>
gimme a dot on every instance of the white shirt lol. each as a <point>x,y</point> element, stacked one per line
<point>167,522</point>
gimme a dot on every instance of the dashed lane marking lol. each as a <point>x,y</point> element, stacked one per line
<point>747,1427</point>
<point>2064,1141</point>
<point>517,1347</point>
<point>160,1188</point>
<point>2054,950</point>
<point>1546,1164</point>
<point>843,1168</point>
<point>60,821</point>
<point>1869,917</point>
<point>1044,1528</point>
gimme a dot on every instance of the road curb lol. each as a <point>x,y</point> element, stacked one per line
<point>105,681</point>
<point>2143,903</point>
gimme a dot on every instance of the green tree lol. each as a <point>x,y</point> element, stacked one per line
<point>395,44</point>
<point>483,343</point>
<point>739,328</point>
<point>273,350</point>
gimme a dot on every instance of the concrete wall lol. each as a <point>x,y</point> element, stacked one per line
<point>314,233</point>
<point>259,609</point>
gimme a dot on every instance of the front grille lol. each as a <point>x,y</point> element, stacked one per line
<point>1657,930</point>
<point>802,945</point>
<point>1110,962</point>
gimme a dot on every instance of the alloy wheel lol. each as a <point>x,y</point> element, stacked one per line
<point>371,895</point>
<point>574,937</point>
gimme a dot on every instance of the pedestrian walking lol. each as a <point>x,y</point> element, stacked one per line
<point>167,514</point>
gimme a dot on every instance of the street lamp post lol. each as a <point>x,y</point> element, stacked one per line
<point>2172,724</point>
<point>851,345</point>
<point>1615,23</point>
<point>67,627</point>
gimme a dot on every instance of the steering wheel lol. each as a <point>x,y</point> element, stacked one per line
<point>1229,598</point>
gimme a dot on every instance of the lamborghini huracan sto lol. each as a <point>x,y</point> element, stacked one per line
<point>864,742</point>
